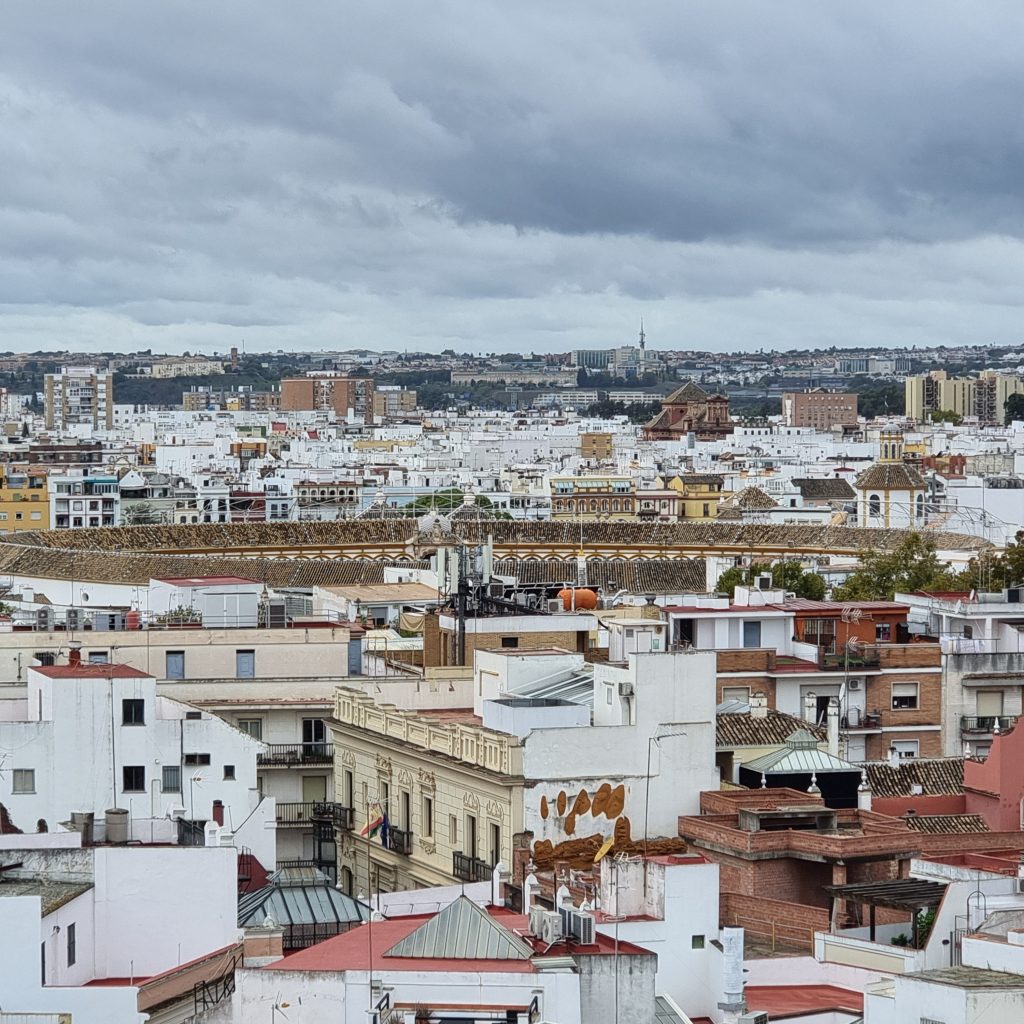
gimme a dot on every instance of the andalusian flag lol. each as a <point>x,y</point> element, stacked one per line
<point>374,820</point>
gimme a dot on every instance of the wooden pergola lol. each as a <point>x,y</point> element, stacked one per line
<point>909,894</point>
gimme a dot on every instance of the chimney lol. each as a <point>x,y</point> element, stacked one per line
<point>894,758</point>
<point>832,725</point>
<point>75,657</point>
<point>864,793</point>
<point>759,705</point>
<point>218,811</point>
<point>263,944</point>
<point>811,707</point>
<point>733,1002</point>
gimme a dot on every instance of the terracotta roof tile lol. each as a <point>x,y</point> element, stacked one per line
<point>746,730</point>
<point>937,776</point>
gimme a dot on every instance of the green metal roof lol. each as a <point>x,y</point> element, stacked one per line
<point>462,931</point>
<point>799,756</point>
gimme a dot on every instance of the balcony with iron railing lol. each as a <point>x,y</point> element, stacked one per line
<point>295,755</point>
<point>470,869</point>
<point>400,841</point>
<point>986,723</point>
<point>310,812</point>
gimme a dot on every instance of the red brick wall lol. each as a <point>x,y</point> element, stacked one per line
<point>897,806</point>
<point>787,924</point>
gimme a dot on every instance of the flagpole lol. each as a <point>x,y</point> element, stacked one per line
<point>369,900</point>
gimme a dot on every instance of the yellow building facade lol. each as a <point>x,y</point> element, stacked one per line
<point>24,499</point>
<point>698,494</point>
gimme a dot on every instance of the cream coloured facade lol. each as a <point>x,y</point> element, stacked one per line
<point>186,653</point>
<point>465,787</point>
<point>449,787</point>
<point>168,368</point>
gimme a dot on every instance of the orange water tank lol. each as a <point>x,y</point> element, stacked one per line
<point>133,620</point>
<point>583,600</point>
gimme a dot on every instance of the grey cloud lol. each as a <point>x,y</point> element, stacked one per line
<point>510,175</point>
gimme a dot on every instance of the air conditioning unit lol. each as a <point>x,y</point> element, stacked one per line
<point>44,618</point>
<point>763,581</point>
<point>554,606</point>
<point>73,619</point>
<point>756,1017</point>
<point>551,930</point>
<point>537,920</point>
<point>625,689</point>
<point>854,684</point>
<point>1020,885</point>
<point>495,589</point>
<point>584,928</point>
<point>277,613</point>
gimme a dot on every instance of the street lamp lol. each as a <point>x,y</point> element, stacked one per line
<point>656,738</point>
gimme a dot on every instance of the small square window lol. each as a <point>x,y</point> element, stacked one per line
<point>133,778</point>
<point>696,942</point>
<point>192,760</point>
<point>23,780</point>
<point>904,696</point>
<point>252,726</point>
<point>171,781</point>
<point>510,641</point>
<point>133,711</point>
<point>229,772</point>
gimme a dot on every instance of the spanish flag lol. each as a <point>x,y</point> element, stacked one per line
<point>374,820</point>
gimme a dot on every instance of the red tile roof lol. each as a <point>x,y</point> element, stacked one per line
<point>351,951</point>
<point>791,1000</point>
<point>87,671</point>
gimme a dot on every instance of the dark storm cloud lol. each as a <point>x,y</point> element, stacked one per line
<point>518,175</point>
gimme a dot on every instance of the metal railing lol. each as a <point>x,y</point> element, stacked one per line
<point>284,755</point>
<point>310,812</point>
<point>470,869</point>
<point>986,723</point>
<point>400,840</point>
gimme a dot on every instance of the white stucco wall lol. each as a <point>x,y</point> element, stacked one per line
<point>76,744</point>
<point>20,981</point>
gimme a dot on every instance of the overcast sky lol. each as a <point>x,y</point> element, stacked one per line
<point>529,176</point>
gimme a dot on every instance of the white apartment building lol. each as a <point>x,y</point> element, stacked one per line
<point>88,738</point>
<point>82,498</point>
<point>79,396</point>
<point>112,933</point>
<point>295,765</point>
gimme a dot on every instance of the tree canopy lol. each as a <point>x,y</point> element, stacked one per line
<point>1014,408</point>
<point>912,565</point>
<point>789,576</point>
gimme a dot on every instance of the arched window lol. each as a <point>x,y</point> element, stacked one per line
<point>615,505</point>
<point>593,505</point>
<point>604,505</point>
<point>920,506</point>
<point>874,505</point>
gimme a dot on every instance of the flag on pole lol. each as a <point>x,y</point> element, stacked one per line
<point>374,820</point>
<point>385,826</point>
